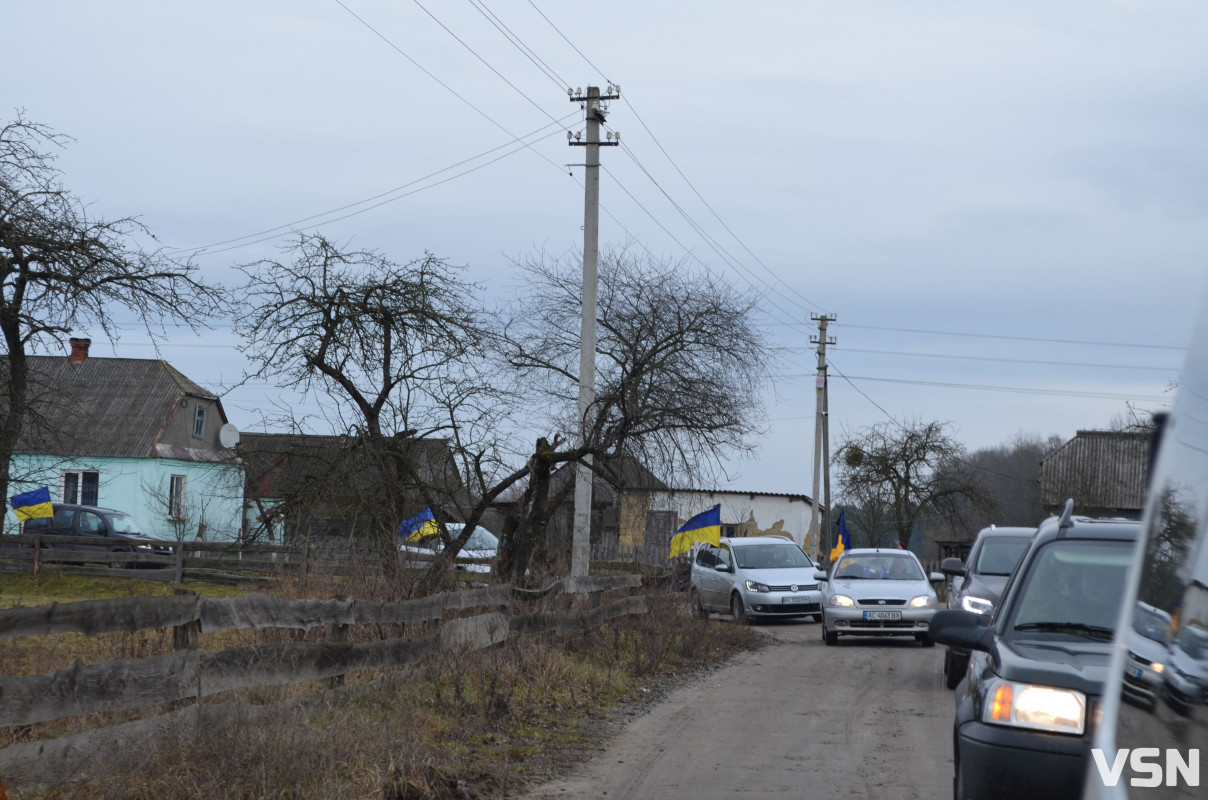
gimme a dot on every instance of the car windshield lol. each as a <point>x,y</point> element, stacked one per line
<point>1192,642</point>
<point>482,539</point>
<point>1074,586</point>
<point>880,566</point>
<point>999,555</point>
<point>123,523</point>
<point>770,556</point>
<point>1151,623</point>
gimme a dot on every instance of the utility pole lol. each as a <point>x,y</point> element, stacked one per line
<point>817,542</point>
<point>580,554</point>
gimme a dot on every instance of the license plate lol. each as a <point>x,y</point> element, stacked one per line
<point>882,615</point>
<point>787,600</point>
<point>1136,673</point>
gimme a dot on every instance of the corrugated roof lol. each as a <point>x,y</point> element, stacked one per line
<point>104,407</point>
<point>1100,469</point>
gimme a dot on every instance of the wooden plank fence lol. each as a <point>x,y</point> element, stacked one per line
<point>179,680</point>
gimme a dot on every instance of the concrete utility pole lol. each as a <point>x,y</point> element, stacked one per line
<point>580,554</point>
<point>817,542</point>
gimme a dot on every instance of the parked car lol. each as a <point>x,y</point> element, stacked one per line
<point>1148,640</point>
<point>1170,574</point>
<point>1186,676</point>
<point>1025,712</point>
<point>479,550</point>
<point>111,531</point>
<point>754,577</point>
<point>992,559</point>
<point>876,592</point>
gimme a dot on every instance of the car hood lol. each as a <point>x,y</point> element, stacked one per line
<point>858,588</point>
<point>1067,664</point>
<point>785,576</point>
<point>1147,648</point>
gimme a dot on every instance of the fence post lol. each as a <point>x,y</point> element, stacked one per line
<point>184,637</point>
<point>180,561</point>
<point>337,633</point>
<point>37,552</point>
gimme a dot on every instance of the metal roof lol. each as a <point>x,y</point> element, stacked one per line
<point>1098,469</point>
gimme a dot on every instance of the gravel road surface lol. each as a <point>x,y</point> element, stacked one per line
<point>867,719</point>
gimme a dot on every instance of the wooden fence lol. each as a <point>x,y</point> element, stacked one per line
<point>182,678</point>
<point>213,562</point>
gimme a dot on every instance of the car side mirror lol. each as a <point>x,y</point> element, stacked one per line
<point>722,567</point>
<point>952,566</point>
<point>936,577</point>
<point>961,628</point>
<point>819,575</point>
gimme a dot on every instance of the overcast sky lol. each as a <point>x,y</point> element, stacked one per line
<point>1002,203</point>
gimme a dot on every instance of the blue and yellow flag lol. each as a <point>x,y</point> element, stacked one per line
<point>421,526</point>
<point>33,504</point>
<point>704,527</point>
<point>844,542</point>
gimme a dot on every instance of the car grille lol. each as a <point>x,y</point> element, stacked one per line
<point>1138,658</point>
<point>791,608</point>
<point>788,588</point>
<point>881,623</point>
<point>881,602</point>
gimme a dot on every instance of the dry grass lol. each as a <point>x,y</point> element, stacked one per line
<point>470,725</point>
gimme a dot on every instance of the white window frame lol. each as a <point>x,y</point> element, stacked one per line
<point>78,499</point>
<point>199,421</point>
<point>176,496</point>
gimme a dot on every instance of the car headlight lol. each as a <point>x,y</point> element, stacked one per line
<point>977,605</point>
<point>922,601</point>
<point>840,600</point>
<point>752,586</point>
<point>1158,667</point>
<point>1043,708</point>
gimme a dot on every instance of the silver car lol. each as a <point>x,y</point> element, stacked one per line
<point>754,577</point>
<point>875,592</point>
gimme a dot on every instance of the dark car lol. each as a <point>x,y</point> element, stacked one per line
<point>111,531</point>
<point>1155,749</point>
<point>978,583</point>
<point>1026,709</point>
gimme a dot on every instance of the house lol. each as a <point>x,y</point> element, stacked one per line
<point>330,489</point>
<point>634,511</point>
<point>131,434</point>
<point>1105,472</point>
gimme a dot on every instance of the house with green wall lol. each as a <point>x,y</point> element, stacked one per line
<point>134,435</point>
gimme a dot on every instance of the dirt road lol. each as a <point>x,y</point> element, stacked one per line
<point>867,719</point>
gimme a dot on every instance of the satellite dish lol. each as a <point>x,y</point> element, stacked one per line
<point>228,436</point>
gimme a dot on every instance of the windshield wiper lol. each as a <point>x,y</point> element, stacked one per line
<point>1091,631</point>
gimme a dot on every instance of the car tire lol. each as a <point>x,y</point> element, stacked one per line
<point>830,637</point>
<point>925,639</point>
<point>738,610</point>
<point>698,608</point>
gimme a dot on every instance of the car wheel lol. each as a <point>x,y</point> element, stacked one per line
<point>698,608</point>
<point>925,639</point>
<point>738,610</point>
<point>830,637</point>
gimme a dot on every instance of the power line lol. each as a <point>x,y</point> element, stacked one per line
<point>1009,389</point>
<point>1004,360</point>
<point>1016,338</point>
<point>518,43</point>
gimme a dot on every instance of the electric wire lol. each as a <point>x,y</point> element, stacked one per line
<point>518,43</point>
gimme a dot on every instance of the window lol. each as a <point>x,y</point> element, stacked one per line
<point>81,488</point>
<point>199,422</point>
<point>176,497</point>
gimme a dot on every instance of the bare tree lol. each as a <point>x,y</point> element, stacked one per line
<point>397,353</point>
<point>62,269</point>
<point>681,365</point>
<point>915,470</point>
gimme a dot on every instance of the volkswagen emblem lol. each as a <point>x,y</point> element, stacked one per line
<point>880,602</point>
<point>793,588</point>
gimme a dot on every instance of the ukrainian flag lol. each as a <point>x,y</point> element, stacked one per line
<point>421,526</point>
<point>844,542</point>
<point>33,505</point>
<point>704,527</point>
